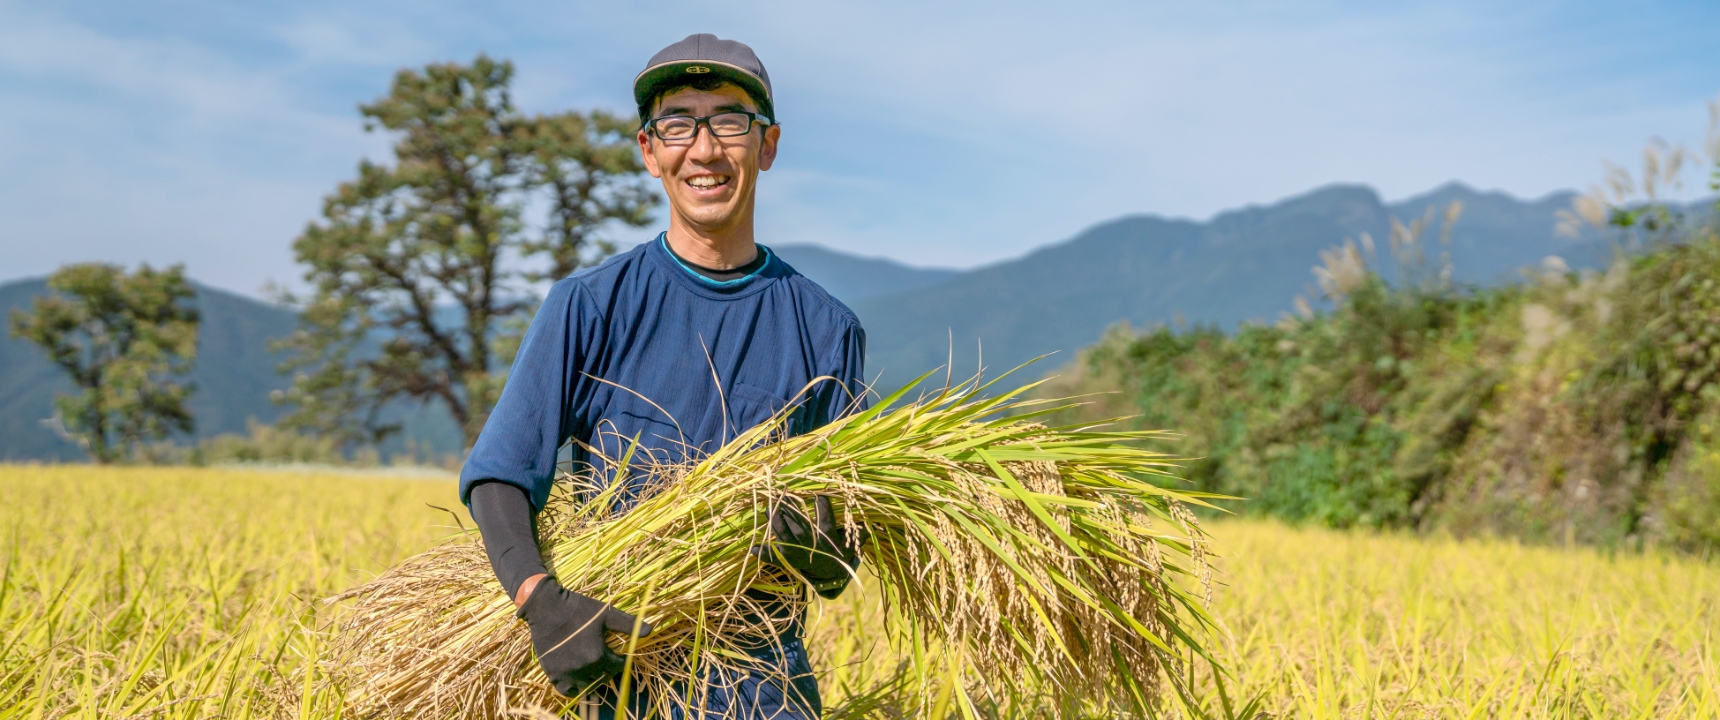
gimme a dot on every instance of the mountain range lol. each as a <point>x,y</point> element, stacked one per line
<point>1246,264</point>
<point>1241,265</point>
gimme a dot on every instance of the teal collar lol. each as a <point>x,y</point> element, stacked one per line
<point>769,257</point>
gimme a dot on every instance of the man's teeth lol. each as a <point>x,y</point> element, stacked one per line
<point>708,181</point>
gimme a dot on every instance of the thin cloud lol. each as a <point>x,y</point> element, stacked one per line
<point>939,134</point>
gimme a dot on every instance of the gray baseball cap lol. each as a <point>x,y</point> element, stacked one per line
<point>706,55</point>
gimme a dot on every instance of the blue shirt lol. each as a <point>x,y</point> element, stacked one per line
<point>642,346</point>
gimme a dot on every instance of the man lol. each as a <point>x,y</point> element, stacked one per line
<point>678,344</point>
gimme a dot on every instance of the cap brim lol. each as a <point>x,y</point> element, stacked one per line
<point>646,84</point>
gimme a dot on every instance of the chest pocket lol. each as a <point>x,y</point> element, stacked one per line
<point>749,406</point>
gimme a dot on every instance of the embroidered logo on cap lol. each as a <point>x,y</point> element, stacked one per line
<point>697,69</point>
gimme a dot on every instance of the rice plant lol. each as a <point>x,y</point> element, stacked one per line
<point>1026,565</point>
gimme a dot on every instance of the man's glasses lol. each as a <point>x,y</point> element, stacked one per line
<point>724,124</point>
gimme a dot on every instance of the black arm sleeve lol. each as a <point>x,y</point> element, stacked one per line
<point>504,516</point>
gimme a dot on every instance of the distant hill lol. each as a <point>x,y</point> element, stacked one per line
<point>852,278</point>
<point>1242,265</point>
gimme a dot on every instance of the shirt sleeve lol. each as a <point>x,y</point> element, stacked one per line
<point>832,400</point>
<point>504,516</point>
<point>546,392</point>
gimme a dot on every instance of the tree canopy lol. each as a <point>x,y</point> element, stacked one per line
<point>423,271</point>
<point>123,339</point>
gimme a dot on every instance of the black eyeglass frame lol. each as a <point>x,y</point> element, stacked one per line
<point>752,119</point>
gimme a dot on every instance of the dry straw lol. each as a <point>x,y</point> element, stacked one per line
<point>1012,558</point>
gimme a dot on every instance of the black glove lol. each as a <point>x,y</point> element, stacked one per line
<point>818,549</point>
<point>567,633</point>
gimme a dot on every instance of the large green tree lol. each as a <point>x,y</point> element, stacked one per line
<point>123,339</point>
<point>423,271</point>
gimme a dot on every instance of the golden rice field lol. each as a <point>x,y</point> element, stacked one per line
<point>192,593</point>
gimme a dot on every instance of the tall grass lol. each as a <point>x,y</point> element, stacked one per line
<point>199,584</point>
<point>1335,625</point>
<point>184,592</point>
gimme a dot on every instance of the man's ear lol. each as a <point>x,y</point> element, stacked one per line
<point>649,157</point>
<point>767,149</point>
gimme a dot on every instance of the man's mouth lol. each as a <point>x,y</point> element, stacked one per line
<point>706,182</point>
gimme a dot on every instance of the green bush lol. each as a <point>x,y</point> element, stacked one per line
<point>1567,406</point>
<point>269,444</point>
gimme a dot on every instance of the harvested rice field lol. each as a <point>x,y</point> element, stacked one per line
<point>192,593</point>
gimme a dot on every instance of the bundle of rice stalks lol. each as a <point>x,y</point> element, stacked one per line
<point>1010,554</point>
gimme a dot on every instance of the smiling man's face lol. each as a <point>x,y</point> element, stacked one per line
<point>710,180</point>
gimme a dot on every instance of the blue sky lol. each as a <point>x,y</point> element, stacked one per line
<point>934,133</point>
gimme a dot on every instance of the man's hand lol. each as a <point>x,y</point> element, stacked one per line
<point>567,633</point>
<point>817,548</point>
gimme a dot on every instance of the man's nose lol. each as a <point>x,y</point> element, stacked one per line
<point>705,145</point>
